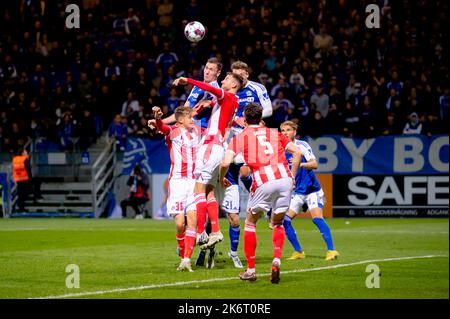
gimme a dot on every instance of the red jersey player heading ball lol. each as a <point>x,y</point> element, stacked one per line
<point>211,153</point>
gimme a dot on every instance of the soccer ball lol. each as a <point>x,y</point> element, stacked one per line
<point>194,31</point>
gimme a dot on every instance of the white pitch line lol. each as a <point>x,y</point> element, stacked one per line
<point>184,283</point>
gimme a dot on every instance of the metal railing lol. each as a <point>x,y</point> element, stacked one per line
<point>103,177</point>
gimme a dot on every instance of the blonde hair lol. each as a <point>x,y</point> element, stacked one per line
<point>182,111</point>
<point>239,65</point>
<point>289,123</point>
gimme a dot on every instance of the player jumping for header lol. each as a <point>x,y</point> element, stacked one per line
<point>182,140</point>
<point>211,153</point>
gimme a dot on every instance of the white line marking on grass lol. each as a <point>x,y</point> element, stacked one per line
<point>184,283</point>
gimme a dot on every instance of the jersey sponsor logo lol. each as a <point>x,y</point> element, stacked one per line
<point>249,99</point>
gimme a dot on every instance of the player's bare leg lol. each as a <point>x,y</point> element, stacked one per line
<point>189,241</point>
<point>233,218</point>
<point>317,218</point>
<point>250,245</point>
<point>278,237</point>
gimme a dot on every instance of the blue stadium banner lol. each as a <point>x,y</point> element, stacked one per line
<point>153,156</point>
<point>386,155</point>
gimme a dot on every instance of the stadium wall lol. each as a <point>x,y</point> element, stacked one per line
<point>398,176</point>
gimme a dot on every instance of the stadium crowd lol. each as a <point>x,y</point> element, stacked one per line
<point>322,67</point>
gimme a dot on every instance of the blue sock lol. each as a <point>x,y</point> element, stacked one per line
<point>325,231</point>
<point>234,237</point>
<point>247,181</point>
<point>291,234</point>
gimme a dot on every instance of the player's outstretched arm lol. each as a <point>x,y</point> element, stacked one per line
<point>296,157</point>
<point>310,165</point>
<point>204,86</point>
<point>169,120</point>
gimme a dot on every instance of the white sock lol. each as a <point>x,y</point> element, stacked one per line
<point>186,259</point>
<point>233,253</point>
<point>251,270</point>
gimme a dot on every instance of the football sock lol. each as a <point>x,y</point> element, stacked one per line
<point>213,214</point>
<point>208,227</point>
<point>234,237</point>
<point>247,181</point>
<point>325,231</point>
<point>180,241</point>
<point>200,203</point>
<point>291,233</point>
<point>250,244</point>
<point>278,236</point>
<point>189,242</point>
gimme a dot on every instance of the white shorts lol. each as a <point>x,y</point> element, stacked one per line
<point>181,196</point>
<point>229,198</point>
<point>313,200</point>
<point>207,169</point>
<point>275,194</point>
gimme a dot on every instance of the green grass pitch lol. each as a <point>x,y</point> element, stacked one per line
<point>141,255</point>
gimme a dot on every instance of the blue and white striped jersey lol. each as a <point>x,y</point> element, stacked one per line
<point>196,96</point>
<point>306,181</point>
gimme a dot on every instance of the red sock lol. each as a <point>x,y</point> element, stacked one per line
<point>180,241</point>
<point>250,244</point>
<point>213,214</point>
<point>200,203</point>
<point>278,236</point>
<point>189,242</point>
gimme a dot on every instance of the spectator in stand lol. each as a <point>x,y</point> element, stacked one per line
<point>444,105</point>
<point>280,107</point>
<point>173,101</point>
<point>395,83</point>
<point>350,121</point>
<point>111,69</point>
<point>391,126</point>
<point>282,84</point>
<point>321,100</point>
<point>66,129</point>
<point>118,132</point>
<point>414,125</point>
<point>130,105</point>
<point>87,130</point>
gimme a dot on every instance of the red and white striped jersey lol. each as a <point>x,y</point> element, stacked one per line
<point>263,150</point>
<point>182,145</point>
<point>223,111</point>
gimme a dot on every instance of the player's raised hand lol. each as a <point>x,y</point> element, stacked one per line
<point>157,113</point>
<point>151,124</point>
<point>180,81</point>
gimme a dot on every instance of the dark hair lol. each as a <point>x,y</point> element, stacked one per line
<point>137,169</point>
<point>239,79</point>
<point>253,113</point>
<point>216,62</point>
